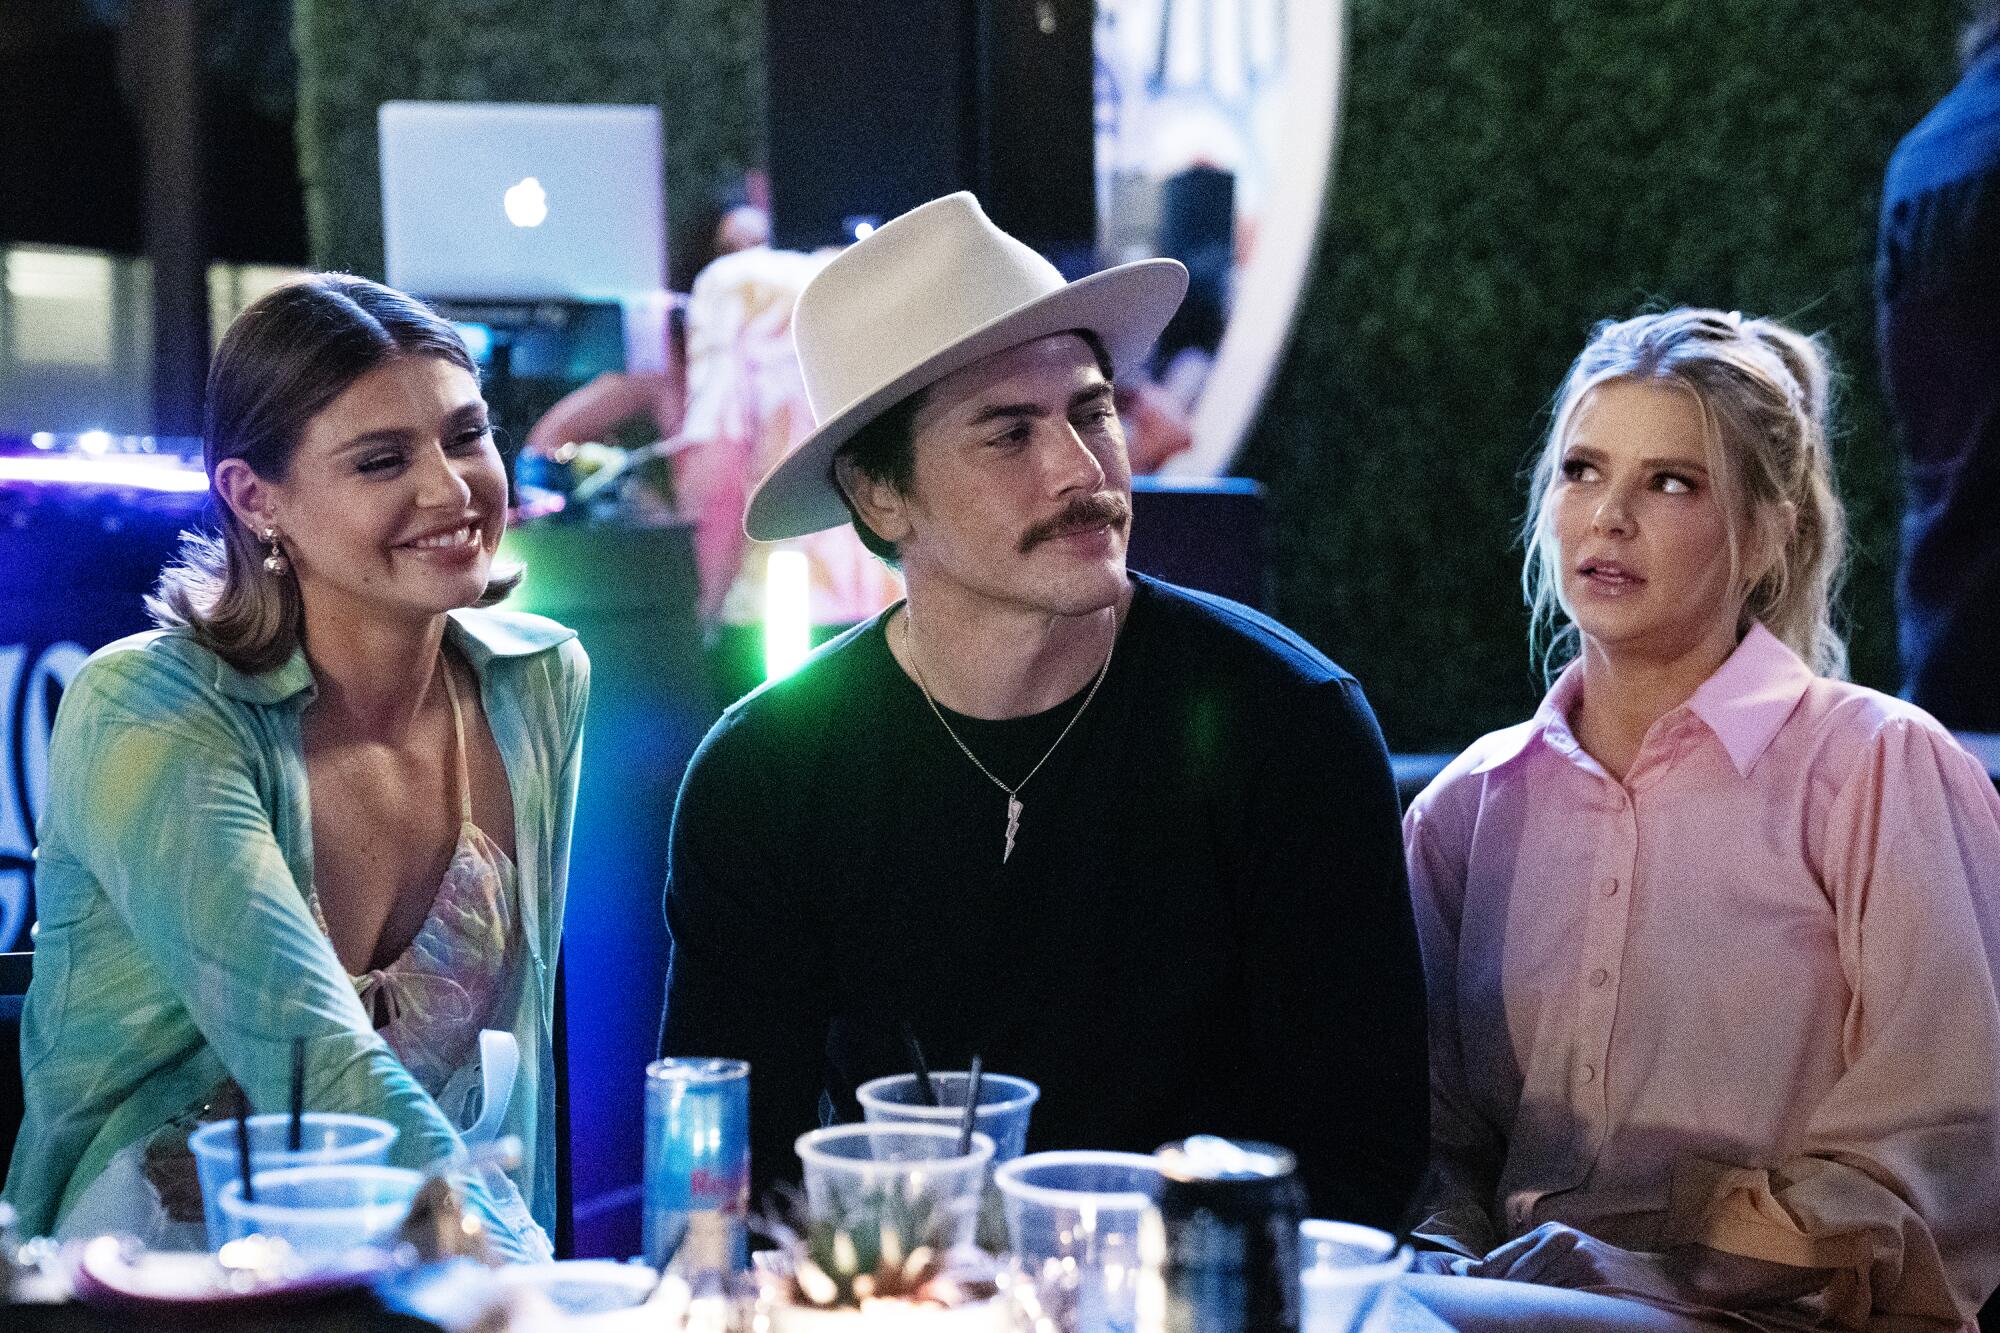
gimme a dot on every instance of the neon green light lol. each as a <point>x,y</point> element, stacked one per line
<point>787,613</point>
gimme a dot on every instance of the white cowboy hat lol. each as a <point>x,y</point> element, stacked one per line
<point>922,296</point>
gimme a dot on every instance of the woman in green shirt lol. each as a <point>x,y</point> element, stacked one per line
<point>329,799</point>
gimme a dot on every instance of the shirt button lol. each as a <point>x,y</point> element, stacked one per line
<point>1599,977</point>
<point>1588,1074</point>
<point>1609,888</point>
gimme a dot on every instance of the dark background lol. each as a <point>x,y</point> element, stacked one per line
<point>69,133</point>
<point>1508,172</point>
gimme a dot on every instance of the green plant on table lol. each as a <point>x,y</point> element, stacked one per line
<point>883,1244</point>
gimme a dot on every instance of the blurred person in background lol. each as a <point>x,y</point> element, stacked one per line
<point>1938,329</point>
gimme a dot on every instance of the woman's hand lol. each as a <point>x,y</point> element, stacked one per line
<point>1441,1263</point>
<point>1554,1255</point>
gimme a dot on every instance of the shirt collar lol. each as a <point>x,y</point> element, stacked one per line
<point>1550,724</point>
<point>479,634</point>
<point>1743,703</point>
<point>1750,696</point>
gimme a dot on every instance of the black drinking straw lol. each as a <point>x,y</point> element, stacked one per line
<point>243,1143</point>
<point>923,1071</point>
<point>295,1135</point>
<point>971,1108</point>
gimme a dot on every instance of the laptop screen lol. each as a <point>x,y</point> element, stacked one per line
<point>521,200</point>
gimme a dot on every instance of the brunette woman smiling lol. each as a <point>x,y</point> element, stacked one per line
<point>329,799</point>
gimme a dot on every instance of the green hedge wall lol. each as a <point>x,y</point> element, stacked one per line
<point>701,61</point>
<point>1508,173</point>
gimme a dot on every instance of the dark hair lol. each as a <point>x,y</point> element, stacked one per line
<point>282,362</point>
<point>885,450</point>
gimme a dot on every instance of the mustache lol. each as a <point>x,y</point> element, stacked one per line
<point>1086,511</point>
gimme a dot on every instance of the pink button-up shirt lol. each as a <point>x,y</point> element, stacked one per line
<point>1745,998</point>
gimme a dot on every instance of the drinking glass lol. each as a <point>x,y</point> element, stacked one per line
<point>321,1210</point>
<point>1075,1221</point>
<point>1002,1114</point>
<point>327,1138</point>
<point>854,1173</point>
<point>1345,1269</point>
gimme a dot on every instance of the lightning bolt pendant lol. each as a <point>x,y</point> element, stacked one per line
<point>1014,809</point>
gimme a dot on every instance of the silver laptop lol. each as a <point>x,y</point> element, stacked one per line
<point>522,201</point>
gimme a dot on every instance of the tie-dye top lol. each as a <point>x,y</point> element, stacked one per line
<point>176,946</point>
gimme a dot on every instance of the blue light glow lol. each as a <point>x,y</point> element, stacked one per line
<point>141,473</point>
<point>478,340</point>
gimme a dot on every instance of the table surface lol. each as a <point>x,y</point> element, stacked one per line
<point>1399,1313</point>
<point>1403,1313</point>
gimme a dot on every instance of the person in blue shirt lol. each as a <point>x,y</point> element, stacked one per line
<point>1937,302</point>
<point>329,799</point>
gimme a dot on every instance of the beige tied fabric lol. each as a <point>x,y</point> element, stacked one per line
<point>431,1002</point>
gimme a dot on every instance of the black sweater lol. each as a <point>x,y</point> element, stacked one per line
<point>1203,926</point>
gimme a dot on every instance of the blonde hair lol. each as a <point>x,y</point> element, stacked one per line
<point>281,363</point>
<point>1762,389</point>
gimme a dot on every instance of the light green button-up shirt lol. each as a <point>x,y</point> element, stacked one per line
<point>175,942</point>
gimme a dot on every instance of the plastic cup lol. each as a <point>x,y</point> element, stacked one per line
<point>327,1138</point>
<point>1002,1115</point>
<point>1345,1269</point>
<point>854,1172</point>
<point>1074,1220</point>
<point>321,1210</point>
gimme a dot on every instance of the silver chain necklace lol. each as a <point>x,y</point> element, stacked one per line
<point>1014,805</point>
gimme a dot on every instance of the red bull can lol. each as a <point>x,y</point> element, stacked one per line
<point>697,1164</point>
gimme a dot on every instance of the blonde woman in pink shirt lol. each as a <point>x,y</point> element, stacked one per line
<point>1710,940</point>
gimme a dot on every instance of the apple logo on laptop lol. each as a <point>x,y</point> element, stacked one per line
<point>527,203</point>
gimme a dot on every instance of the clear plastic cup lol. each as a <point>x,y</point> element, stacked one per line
<point>1074,1220</point>
<point>856,1172</point>
<point>327,1138</point>
<point>1002,1115</point>
<point>1344,1270</point>
<point>321,1210</point>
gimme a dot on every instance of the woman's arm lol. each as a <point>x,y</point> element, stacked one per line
<point>571,688</point>
<point>1895,1185</point>
<point>165,814</point>
<point>1453,1205</point>
<point>1690,1278</point>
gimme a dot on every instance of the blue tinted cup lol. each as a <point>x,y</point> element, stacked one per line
<point>321,1211</point>
<point>1002,1115</point>
<point>327,1138</point>
<point>1076,1223</point>
<point>852,1170</point>
<point>1345,1269</point>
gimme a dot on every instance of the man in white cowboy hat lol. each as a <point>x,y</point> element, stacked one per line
<point>1136,844</point>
